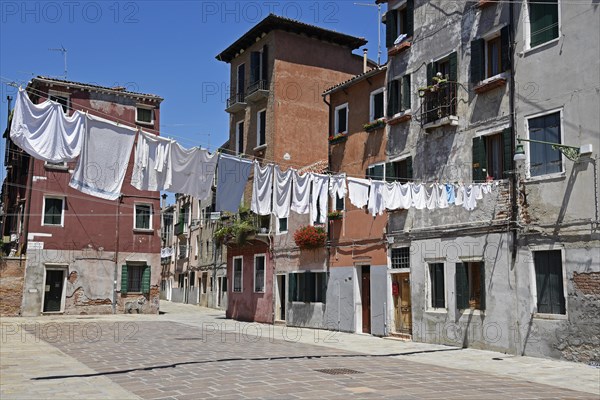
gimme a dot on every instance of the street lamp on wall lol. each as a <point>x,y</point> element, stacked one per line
<point>573,153</point>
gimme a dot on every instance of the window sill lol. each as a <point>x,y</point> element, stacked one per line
<point>471,311</point>
<point>451,120</point>
<point>399,48</point>
<point>138,230</point>
<point>53,226</point>
<point>556,317</point>
<point>399,118</point>
<point>261,147</point>
<point>56,167</point>
<point>490,84</point>
<point>145,123</point>
<point>543,178</point>
<point>436,311</point>
<point>541,46</point>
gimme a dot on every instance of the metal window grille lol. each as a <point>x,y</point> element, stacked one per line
<point>401,257</point>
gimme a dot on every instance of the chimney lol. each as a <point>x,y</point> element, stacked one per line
<point>365,51</point>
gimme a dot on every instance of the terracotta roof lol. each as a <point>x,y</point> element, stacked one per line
<point>89,86</point>
<point>354,79</point>
<point>276,22</point>
<point>320,167</point>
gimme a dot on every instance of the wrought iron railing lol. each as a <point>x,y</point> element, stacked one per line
<point>438,101</point>
<point>236,98</point>
<point>261,84</point>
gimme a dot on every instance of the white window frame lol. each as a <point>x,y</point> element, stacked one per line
<point>237,136</point>
<point>527,28</point>
<point>533,281</point>
<point>372,104</point>
<point>280,232</point>
<point>260,145</point>
<point>264,274</point>
<point>62,215</point>
<point>145,107</point>
<point>139,203</point>
<point>429,296</point>
<point>376,164</point>
<point>488,37</point>
<point>66,95</point>
<point>528,152</point>
<point>241,275</point>
<point>336,124</point>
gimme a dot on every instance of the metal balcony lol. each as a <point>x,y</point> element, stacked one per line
<point>236,103</point>
<point>438,105</point>
<point>258,90</point>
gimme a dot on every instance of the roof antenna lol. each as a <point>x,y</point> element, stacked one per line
<point>64,51</point>
<point>378,28</point>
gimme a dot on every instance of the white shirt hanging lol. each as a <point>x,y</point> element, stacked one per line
<point>301,193</point>
<point>193,171</point>
<point>152,163</point>
<point>262,189</point>
<point>283,192</point>
<point>419,200</point>
<point>337,186</point>
<point>358,191</point>
<point>375,205</point>
<point>318,204</point>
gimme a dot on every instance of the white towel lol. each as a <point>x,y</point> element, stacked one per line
<point>337,186</point>
<point>283,193</point>
<point>152,163</point>
<point>45,132</point>
<point>375,204</point>
<point>443,195</point>
<point>405,195</point>
<point>358,191</point>
<point>262,189</point>
<point>104,157</point>
<point>301,193</point>
<point>392,198</point>
<point>193,171</point>
<point>318,203</point>
<point>419,200</point>
<point>459,194</point>
<point>471,194</point>
<point>233,173</point>
<point>432,196</point>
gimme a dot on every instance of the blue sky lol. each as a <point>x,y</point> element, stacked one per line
<point>159,47</point>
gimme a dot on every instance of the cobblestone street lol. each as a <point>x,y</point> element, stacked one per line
<point>191,353</point>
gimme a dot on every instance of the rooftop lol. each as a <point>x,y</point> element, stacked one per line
<point>88,86</point>
<point>275,22</point>
<point>355,79</point>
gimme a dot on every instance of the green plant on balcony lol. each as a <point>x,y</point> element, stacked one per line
<point>336,214</point>
<point>337,138</point>
<point>310,237</point>
<point>371,126</point>
<point>238,230</point>
<point>438,81</point>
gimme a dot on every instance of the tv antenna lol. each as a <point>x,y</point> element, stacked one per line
<point>64,51</point>
<point>378,27</point>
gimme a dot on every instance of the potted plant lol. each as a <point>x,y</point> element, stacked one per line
<point>338,138</point>
<point>371,126</point>
<point>310,237</point>
<point>335,214</point>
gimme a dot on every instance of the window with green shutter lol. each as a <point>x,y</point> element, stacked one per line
<point>470,285</point>
<point>406,93</point>
<point>479,159</point>
<point>393,95</point>
<point>436,279</point>
<point>543,21</point>
<point>143,214</point>
<point>124,279</point>
<point>146,279</point>
<point>400,170</point>
<point>549,282</point>
<point>399,21</point>
<point>376,172</point>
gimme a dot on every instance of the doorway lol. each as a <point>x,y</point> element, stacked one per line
<point>402,303</point>
<point>365,290</point>
<point>54,289</point>
<point>280,305</point>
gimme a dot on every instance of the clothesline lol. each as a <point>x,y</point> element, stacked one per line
<point>103,149</point>
<point>119,121</point>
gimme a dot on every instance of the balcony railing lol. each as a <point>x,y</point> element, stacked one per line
<point>236,102</point>
<point>257,90</point>
<point>180,228</point>
<point>439,103</point>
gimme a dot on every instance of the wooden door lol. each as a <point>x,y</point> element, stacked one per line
<point>366,298</point>
<point>405,304</point>
<point>53,290</point>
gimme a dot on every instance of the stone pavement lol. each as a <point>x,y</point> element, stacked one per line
<point>191,353</point>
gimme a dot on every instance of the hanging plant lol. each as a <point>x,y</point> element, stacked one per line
<point>336,214</point>
<point>310,237</point>
<point>374,125</point>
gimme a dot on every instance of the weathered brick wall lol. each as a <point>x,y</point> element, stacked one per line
<point>587,283</point>
<point>12,272</point>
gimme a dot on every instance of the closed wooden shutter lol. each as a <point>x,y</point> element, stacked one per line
<point>391,28</point>
<point>555,282</point>
<point>255,57</point>
<point>453,59</point>
<point>462,286</point>
<point>543,18</point>
<point>405,93</point>
<point>505,48</point>
<point>439,298</point>
<point>146,279</point>
<point>482,280</point>
<point>477,61</point>
<point>540,258</point>
<point>309,279</point>
<point>430,73</point>
<point>124,279</point>
<point>409,168</point>
<point>293,293</point>
<point>390,172</point>
<point>479,159</point>
<point>410,11</point>
<point>392,106</point>
<point>507,162</point>
<point>241,80</point>
<point>324,281</point>
<point>265,65</point>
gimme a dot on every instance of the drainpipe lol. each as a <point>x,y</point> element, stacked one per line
<point>116,272</point>
<point>23,246</point>
<point>514,225</point>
